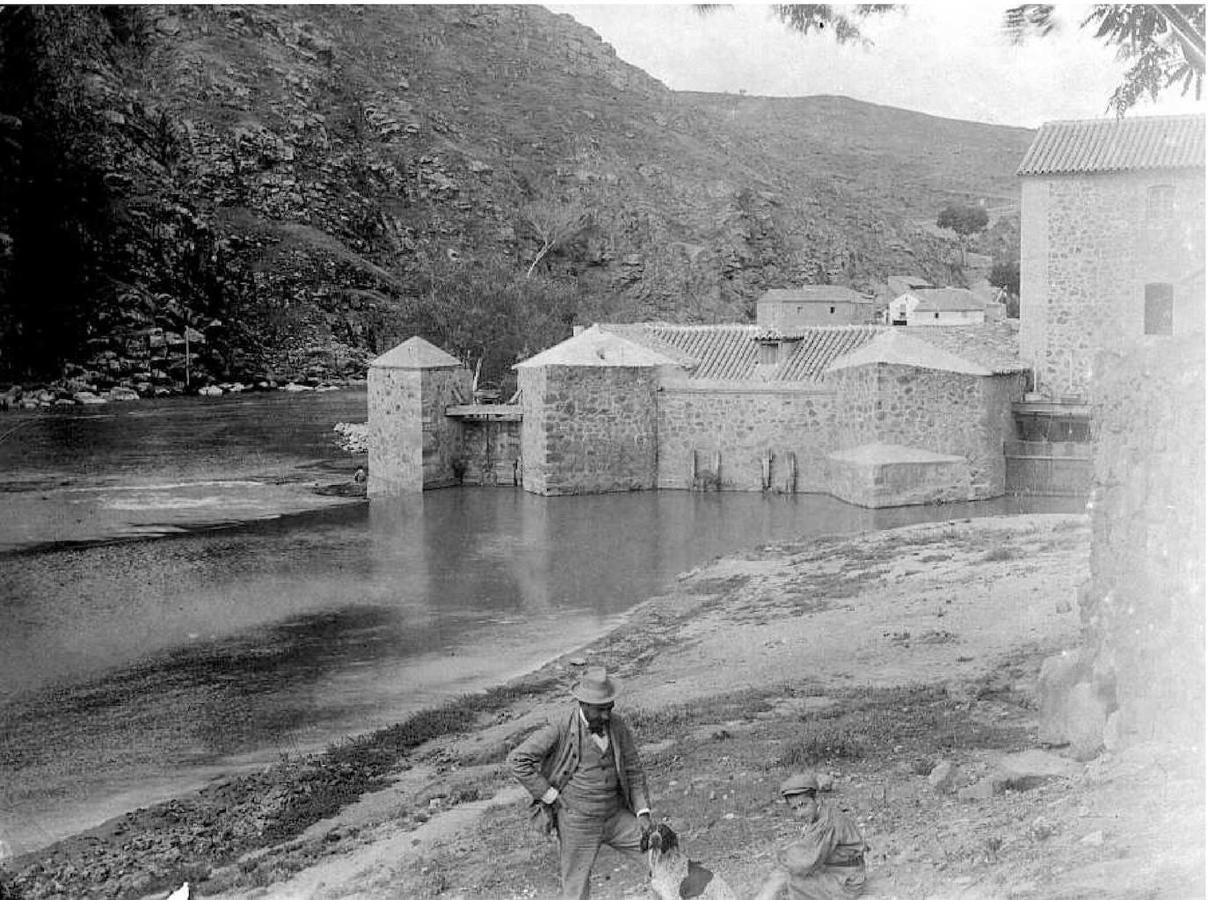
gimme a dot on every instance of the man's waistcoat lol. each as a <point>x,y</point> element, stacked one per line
<point>551,754</point>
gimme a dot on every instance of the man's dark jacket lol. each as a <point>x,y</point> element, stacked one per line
<point>549,756</point>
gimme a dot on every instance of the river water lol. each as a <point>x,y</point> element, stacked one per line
<point>178,605</point>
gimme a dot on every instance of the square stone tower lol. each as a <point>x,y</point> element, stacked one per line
<point>412,443</point>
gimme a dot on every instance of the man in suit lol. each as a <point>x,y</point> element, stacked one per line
<point>585,777</point>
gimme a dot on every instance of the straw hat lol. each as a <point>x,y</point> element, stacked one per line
<point>595,687</point>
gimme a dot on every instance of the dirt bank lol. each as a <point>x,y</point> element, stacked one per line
<point>874,658</point>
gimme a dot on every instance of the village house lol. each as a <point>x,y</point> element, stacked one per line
<point>937,306</point>
<point>1112,244</point>
<point>812,304</point>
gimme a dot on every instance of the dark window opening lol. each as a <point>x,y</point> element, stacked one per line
<point>1159,309</point>
<point>767,354</point>
<point>832,310</point>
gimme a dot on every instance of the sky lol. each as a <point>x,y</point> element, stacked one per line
<point>943,58</point>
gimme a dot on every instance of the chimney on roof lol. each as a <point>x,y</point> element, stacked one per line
<point>774,347</point>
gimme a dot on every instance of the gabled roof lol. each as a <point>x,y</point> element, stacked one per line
<point>947,300</point>
<point>597,347</point>
<point>1116,145</point>
<point>994,345</point>
<point>813,293</point>
<point>896,347</point>
<point>415,353</point>
<point>731,352</point>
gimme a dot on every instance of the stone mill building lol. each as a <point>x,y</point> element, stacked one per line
<point>871,414</point>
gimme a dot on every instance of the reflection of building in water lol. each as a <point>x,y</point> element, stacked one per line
<point>398,555</point>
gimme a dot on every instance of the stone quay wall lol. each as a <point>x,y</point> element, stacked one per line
<point>588,429</point>
<point>1090,245</point>
<point>944,412</point>
<point>739,427</point>
<point>1143,614</point>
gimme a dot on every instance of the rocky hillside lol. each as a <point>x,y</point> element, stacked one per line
<point>296,188</point>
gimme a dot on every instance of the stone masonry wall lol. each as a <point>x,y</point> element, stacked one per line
<point>395,435</point>
<point>588,429</point>
<point>1143,614</point>
<point>1088,249</point>
<point>743,425</point>
<point>944,412</point>
<point>533,427</point>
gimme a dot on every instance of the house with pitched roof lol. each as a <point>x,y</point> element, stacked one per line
<point>1112,242</point>
<point>812,304</point>
<point>937,306</point>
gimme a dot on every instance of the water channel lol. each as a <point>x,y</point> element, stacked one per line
<point>177,605</point>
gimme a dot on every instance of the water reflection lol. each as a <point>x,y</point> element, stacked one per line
<point>130,671</point>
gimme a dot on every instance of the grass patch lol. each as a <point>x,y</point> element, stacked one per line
<point>720,585</point>
<point>999,554</point>
<point>672,721</point>
<point>825,741</point>
<point>869,722</point>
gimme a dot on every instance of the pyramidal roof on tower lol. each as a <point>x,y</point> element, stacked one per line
<point>596,347</point>
<point>895,347</point>
<point>415,353</point>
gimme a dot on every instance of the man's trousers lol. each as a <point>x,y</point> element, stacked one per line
<point>579,840</point>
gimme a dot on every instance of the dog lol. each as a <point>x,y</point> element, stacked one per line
<point>673,876</point>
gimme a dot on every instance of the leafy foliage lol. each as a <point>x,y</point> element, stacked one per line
<point>554,224</point>
<point>964,220</point>
<point>1006,276</point>
<point>492,311</point>
<point>844,25</point>
<point>1164,44</point>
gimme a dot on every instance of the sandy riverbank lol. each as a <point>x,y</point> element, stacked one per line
<point>871,657</point>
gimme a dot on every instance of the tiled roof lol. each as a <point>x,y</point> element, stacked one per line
<point>1116,145</point>
<point>820,347</point>
<point>812,293</point>
<point>731,352</point>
